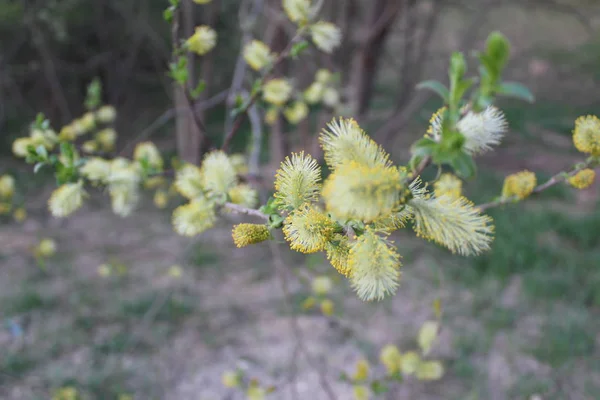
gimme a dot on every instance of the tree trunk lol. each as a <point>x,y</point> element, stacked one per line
<point>187,132</point>
<point>366,61</point>
<point>278,141</point>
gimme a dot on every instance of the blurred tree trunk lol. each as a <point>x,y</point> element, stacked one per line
<point>207,70</point>
<point>192,141</point>
<point>277,38</point>
<point>186,132</point>
<point>345,17</point>
<point>379,22</point>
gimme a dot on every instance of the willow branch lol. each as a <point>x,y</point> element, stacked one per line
<point>420,168</point>
<point>556,179</point>
<point>236,208</point>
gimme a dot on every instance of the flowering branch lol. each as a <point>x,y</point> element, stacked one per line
<point>556,179</point>
<point>237,123</point>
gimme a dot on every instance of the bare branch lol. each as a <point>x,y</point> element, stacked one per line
<point>244,210</point>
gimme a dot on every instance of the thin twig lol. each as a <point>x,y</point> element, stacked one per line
<point>49,68</point>
<point>420,168</point>
<point>247,19</point>
<point>244,210</point>
<point>170,114</point>
<point>256,143</point>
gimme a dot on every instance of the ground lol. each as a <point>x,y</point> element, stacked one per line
<point>518,322</point>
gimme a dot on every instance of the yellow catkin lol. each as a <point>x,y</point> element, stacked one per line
<point>297,181</point>
<point>327,307</point>
<point>586,135</point>
<point>361,392</point>
<point>247,234</point>
<point>454,223</point>
<point>357,191</point>
<point>337,253</point>
<point>374,265</point>
<point>277,91</point>
<point>202,41</point>
<point>519,185</point>
<point>583,179</point>
<point>390,357</point>
<point>361,372</point>
<point>308,229</point>
<point>258,55</point>
<point>448,184</point>
<point>230,379</point>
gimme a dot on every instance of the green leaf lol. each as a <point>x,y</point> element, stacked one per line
<point>168,14</point>
<point>458,67</point>
<point>423,143</point>
<point>64,174</point>
<point>174,3</point>
<point>275,221</point>
<point>256,86</point>
<point>489,73</point>
<point>270,207</point>
<point>93,96</point>
<point>67,150</point>
<point>452,141</point>
<point>462,87</point>
<point>437,87</point>
<point>414,162</point>
<point>39,120</point>
<point>198,89</point>
<point>498,49</point>
<point>378,387</point>
<point>178,71</point>
<point>421,149</point>
<point>516,90</point>
<point>464,166</point>
<point>298,48</point>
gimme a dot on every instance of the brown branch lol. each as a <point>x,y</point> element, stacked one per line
<point>170,114</point>
<point>49,68</point>
<point>420,168</point>
<point>556,179</point>
<point>236,208</point>
<point>385,20</point>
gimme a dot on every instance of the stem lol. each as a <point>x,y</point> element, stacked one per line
<point>244,210</point>
<point>420,168</point>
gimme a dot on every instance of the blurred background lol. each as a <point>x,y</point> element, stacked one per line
<point>124,306</point>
